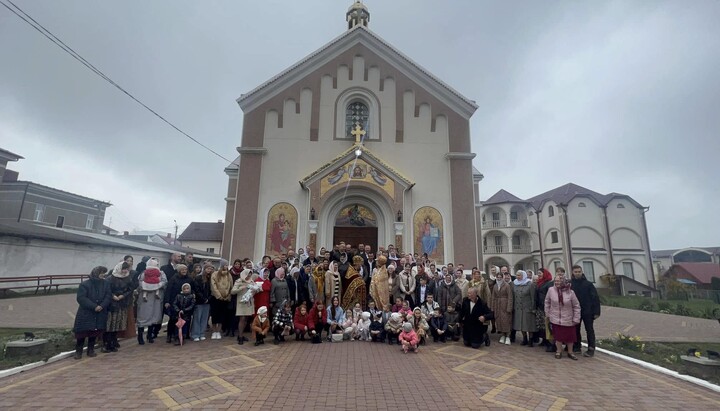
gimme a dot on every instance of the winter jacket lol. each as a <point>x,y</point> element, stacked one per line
<point>411,337</point>
<point>301,321</point>
<point>262,298</point>
<point>120,286</point>
<point>220,285</point>
<point>393,327</point>
<point>587,296</point>
<point>300,286</point>
<point>429,289</point>
<point>92,292</point>
<point>317,316</point>
<point>452,318</point>
<point>201,288</point>
<point>282,319</point>
<point>567,314</point>
<point>184,303</point>
<point>260,327</point>
<point>438,323</point>
<point>407,284</point>
<point>418,324</point>
<point>376,326</point>
<point>175,287</point>
<point>541,294</point>
<point>448,294</point>
<point>279,291</point>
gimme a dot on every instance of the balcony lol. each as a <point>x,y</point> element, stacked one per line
<point>503,249</point>
<point>488,224</point>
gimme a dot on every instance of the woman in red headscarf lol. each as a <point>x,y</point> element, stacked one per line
<point>544,282</point>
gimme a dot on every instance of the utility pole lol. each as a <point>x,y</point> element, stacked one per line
<point>175,238</point>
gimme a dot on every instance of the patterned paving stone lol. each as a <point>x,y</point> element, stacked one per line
<point>460,351</point>
<point>488,371</point>
<point>523,399</point>
<point>229,364</point>
<point>195,392</point>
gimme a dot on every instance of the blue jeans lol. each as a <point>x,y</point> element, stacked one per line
<point>200,320</point>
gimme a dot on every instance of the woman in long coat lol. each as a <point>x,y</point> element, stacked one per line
<point>150,310</point>
<point>243,310</point>
<point>93,298</point>
<point>502,307</point>
<point>524,305</point>
<point>121,290</point>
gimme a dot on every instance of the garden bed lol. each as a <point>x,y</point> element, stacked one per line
<point>59,340</point>
<point>665,355</point>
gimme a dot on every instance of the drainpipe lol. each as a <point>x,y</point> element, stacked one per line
<point>567,235</point>
<point>647,242</point>
<point>609,241</point>
<point>22,205</point>
<point>540,235</point>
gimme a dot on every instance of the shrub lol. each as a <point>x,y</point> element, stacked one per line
<point>664,306</point>
<point>647,305</point>
<point>682,310</point>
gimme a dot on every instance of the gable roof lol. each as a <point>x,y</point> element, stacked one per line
<point>358,34</point>
<point>9,155</point>
<point>503,196</point>
<point>565,193</point>
<point>349,154</point>
<point>701,272</point>
<point>200,231</point>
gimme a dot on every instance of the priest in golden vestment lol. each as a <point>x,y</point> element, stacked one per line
<point>354,286</point>
<point>379,287</point>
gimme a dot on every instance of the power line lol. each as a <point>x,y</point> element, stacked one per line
<point>50,36</point>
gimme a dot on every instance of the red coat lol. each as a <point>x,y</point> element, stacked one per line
<point>411,337</point>
<point>301,321</point>
<point>263,297</point>
<point>313,317</point>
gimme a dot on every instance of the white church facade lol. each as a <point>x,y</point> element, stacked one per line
<point>356,143</point>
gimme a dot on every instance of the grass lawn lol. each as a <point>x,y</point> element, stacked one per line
<point>666,355</point>
<point>59,340</point>
<point>691,308</point>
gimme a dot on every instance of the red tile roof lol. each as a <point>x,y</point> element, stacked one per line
<point>701,272</point>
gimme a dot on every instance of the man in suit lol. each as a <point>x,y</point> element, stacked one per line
<point>474,312</point>
<point>422,290</point>
<point>169,268</point>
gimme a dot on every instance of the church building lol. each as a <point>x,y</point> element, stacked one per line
<point>357,143</point>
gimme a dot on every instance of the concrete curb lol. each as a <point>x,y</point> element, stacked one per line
<point>662,370</point>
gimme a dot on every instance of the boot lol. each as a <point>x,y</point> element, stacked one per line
<point>91,347</point>
<point>114,342</point>
<point>105,344</point>
<point>140,338</point>
<point>240,340</point>
<point>525,339</point>
<point>79,349</point>
<point>150,335</point>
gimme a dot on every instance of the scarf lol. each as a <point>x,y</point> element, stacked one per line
<point>499,281</point>
<point>524,280</point>
<point>545,277</point>
<point>117,271</point>
<point>280,273</point>
<point>565,286</point>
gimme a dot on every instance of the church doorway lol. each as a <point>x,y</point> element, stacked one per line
<point>356,235</point>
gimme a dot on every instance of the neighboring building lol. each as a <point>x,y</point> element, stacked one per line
<point>381,149</point>
<point>663,259</point>
<point>150,237</point>
<point>203,236</point>
<point>697,274</point>
<point>109,230</point>
<point>39,204</point>
<point>565,226</point>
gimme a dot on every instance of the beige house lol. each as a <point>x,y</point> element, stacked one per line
<point>205,236</point>
<point>565,226</point>
<point>355,142</point>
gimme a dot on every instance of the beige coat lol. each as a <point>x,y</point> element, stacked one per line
<point>501,304</point>
<point>220,285</point>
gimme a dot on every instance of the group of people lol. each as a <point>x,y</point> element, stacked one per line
<point>344,293</point>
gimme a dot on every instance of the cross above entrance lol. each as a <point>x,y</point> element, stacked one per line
<point>358,132</point>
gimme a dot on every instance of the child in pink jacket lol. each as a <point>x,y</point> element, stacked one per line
<point>408,338</point>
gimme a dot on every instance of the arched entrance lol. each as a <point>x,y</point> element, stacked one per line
<point>371,223</point>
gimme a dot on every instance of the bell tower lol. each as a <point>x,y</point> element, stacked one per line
<point>357,15</point>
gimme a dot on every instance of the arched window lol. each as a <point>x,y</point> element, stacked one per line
<point>582,205</point>
<point>621,205</point>
<point>357,114</point>
<point>551,211</point>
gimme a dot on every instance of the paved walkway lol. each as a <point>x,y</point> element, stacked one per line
<point>345,376</point>
<point>58,311</point>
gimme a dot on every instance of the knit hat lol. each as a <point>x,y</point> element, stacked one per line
<point>180,266</point>
<point>262,311</point>
<point>407,327</point>
<point>153,262</point>
<point>223,262</point>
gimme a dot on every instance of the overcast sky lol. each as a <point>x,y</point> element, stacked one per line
<point>614,96</point>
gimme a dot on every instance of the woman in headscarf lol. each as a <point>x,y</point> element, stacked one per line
<point>333,283</point>
<point>544,282</point>
<point>93,298</point>
<point>243,310</point>
<point>524,306</point>
<point>501,304</point>
<point>220,285</point>
<point>316,283</point>
<point>232,323</point>
<point>355,292</point>
<point>563,310</point>
<point>121,290</point>
<point>150,310</point>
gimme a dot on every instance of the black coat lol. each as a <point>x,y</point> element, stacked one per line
<point>202,290</point>
<point>473,329</point>
<point>92,292</point>
<point>587,296</point>
<point>541,294</point>
<point>175,287</point>
<point>429,289</point>
<point>118,287</point>
<point>169,271</point>
<point>301,290</point>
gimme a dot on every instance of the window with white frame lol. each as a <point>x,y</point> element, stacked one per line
<point>90,222</point>
<point>621,205</point>
<point>628,270</point>
<point>60,221</point>
<point>513,215</point>
<point>581,205</point>
<point>589,270</point>
<point>211,250</point>
<point>39,212</point>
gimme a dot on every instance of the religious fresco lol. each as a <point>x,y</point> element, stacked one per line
<point>357,170</point>
<point>356,215</point>
<point>428,225</point>
<point>281,228</point>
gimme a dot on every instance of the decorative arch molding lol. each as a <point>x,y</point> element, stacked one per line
<point>629,230</point>
<point>619,263</point>
<point>595,260</point>
<point>692,255</point>
<point>591,229</point>
<point>355,195</point>
<point>365,96</point>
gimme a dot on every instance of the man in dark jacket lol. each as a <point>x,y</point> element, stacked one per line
<point>474,312</point>
<point>169,268</point>
<point>589,309</point>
